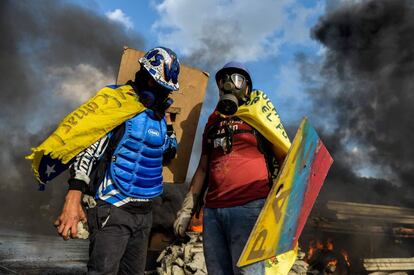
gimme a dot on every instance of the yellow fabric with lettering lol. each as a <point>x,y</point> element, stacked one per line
<point>260,113</point>
<point>87,124</point>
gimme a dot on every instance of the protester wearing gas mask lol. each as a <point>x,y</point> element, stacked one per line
<point>122,171</point>
<point>243,145</point>
<point>234,85</point>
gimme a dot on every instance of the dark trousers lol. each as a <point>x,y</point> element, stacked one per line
<point>118,240</point>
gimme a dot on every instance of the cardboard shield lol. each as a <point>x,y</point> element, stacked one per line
<point>291,198</point>
<point>184,112</point>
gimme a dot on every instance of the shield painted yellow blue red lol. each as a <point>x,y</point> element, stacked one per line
<point>291,198</point>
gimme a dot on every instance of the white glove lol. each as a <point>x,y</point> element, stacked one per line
<point>184,215</point>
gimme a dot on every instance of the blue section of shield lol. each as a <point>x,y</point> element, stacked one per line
<point>300,181</point>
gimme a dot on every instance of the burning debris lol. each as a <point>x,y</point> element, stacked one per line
<point>367,238</point>
<point>323,259</point>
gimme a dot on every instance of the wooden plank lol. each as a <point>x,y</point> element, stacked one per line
<point>371,212</point>
<point>389,264</point>
<point>348,228</point>
<point>291,198</point>
<point>185,109</point>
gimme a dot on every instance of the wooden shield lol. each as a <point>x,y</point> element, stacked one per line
<point>184,112</point>
<point>291,198</point>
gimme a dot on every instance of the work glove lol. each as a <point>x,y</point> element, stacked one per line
<point>184,214</point>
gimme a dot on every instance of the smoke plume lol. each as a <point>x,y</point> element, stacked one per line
<point>54,55</point>
<point>365,97</point>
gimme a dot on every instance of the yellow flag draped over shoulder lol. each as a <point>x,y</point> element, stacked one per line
<point>110,107</point>
<point>260,113</point>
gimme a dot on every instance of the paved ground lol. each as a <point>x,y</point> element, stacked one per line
<point>22,253</point>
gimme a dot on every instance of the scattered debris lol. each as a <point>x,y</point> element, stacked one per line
<point>184,259</point>
<point>300,267</point>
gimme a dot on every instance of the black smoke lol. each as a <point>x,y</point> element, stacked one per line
<point>365,96</point>
<point>42,44</point>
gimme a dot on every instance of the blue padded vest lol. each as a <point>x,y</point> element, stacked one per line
<point>136,166</point>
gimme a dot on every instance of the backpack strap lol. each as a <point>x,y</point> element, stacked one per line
<point>265,148</point>
<point>98,174</point>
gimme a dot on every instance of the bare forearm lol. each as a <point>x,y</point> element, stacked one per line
<point>73,196</point>
<point>199,176</point>
<point>71,214</point>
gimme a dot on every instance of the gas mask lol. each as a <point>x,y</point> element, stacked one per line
<point>152,95</point>
<point>233,93</point>
<point>155,100</point>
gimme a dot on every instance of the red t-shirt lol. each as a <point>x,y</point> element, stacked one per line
<point>238,176</point>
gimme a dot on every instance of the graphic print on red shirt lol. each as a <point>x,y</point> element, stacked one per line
<point>238,174</point>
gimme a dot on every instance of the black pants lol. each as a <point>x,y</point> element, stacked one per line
<point>118,240</point>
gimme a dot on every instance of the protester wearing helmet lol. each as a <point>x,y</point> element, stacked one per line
<point>234,172</point>
<point>123,173</point>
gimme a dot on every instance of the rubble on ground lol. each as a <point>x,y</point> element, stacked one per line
<point>300,267</point>
<point>184,259</point>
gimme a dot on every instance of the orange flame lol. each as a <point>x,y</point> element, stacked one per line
<point>196,224</point>
<point>346,257</point>
<point>319,245</point>
<point>311,250</point>
<point>333,262</point>
<point>329,244</point>
<point>331,266</point>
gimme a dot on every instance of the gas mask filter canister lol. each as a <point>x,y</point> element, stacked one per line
<point>228,104</point>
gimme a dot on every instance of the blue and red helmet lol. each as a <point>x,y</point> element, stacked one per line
<point>163,65</point>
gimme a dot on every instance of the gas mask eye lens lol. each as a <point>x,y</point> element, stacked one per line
<point>229,82</point>
<point>237,80</point>
<point>225,83</point>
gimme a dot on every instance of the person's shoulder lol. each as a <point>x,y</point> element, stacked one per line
<point>116,86</point>
<point>256,95</point>
<point>258,92</point>
<point>112,86</point>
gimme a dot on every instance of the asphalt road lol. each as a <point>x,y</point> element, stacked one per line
<point>23,253</point>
